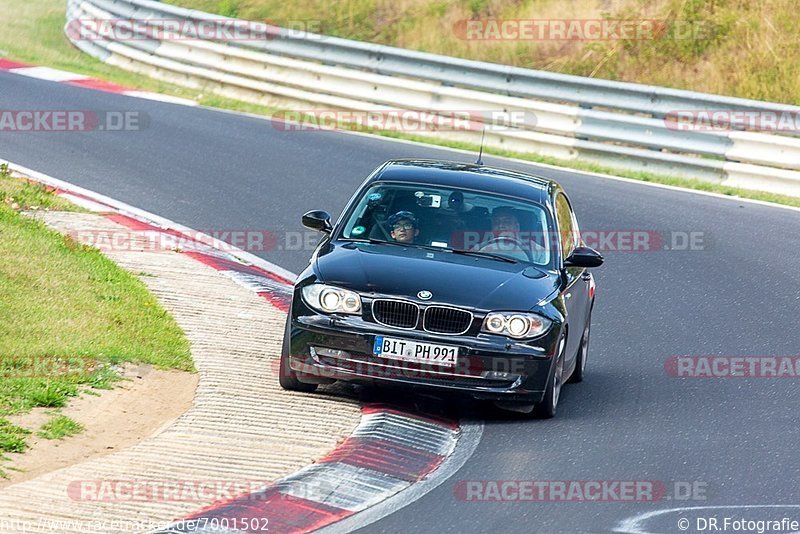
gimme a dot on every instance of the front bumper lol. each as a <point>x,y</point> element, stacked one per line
<point>491,367</point>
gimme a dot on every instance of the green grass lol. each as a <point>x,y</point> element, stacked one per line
<point>16,193</point>
<point>70,315</point>
<point>59,427</point>
<point>741,48</point>
<point>12,437</point>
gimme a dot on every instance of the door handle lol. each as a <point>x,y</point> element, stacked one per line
<point>568,296</point>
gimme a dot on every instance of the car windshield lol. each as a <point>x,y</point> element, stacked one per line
<point>464,221</point>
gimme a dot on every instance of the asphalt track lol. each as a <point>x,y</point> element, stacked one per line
<point>737,296</point>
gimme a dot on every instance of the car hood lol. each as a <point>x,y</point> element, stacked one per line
<point>455,279</point>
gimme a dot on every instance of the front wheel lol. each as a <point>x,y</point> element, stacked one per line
<point>549,404</point>
<point>287,377</point>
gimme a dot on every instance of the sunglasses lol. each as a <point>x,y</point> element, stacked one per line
<point>404,226</point>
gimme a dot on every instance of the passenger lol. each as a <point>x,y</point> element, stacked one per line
<point>404,227</point>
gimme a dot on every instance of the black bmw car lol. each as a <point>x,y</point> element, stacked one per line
<point>448,276</point>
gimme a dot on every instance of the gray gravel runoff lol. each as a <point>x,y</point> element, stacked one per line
<point>738,296</point>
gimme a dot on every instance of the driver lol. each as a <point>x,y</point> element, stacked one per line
<point>505,238</point>
<point>403,226</point>
<point>505,223</point>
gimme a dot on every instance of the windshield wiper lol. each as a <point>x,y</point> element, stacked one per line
<point>483,255</point>
<point>396,243</point>
<point>478,253</point>
<point>378,242</point>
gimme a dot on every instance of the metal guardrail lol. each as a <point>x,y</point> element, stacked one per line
<point>618,125</point>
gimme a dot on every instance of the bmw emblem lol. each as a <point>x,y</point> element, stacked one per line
<point>425,295</point>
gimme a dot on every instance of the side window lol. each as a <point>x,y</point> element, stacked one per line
<point>576,229</point>
<point>566,227</point>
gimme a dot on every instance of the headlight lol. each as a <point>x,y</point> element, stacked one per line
<point>516,325</point>
<point>330,299</point>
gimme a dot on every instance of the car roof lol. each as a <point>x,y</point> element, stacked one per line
<point>467,176</point>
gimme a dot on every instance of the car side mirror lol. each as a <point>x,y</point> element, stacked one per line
<point>584,257</point>
<point>318,220</point>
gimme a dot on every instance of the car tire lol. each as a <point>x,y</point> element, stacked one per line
<point>583,353</point>
<point>548,406</point>
<point>287,377</point>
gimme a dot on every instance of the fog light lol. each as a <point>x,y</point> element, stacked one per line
<point>495,323</point>
<point>331,353</point>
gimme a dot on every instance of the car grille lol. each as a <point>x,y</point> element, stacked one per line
<point>445,320</point>
<point>397,313</point>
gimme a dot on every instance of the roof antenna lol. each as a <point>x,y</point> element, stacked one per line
<point>480,154</point>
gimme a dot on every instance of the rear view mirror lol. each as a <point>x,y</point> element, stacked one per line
<point>318,220</point>
<point>584,257</point>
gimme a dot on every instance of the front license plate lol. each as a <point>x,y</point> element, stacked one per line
<point>414,351</point>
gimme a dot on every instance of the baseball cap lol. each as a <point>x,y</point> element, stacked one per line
<point>403,216</point>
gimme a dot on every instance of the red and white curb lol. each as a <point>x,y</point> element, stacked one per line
<point>388,452</point>
<point>390,460</point>
<point>79,80</point>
